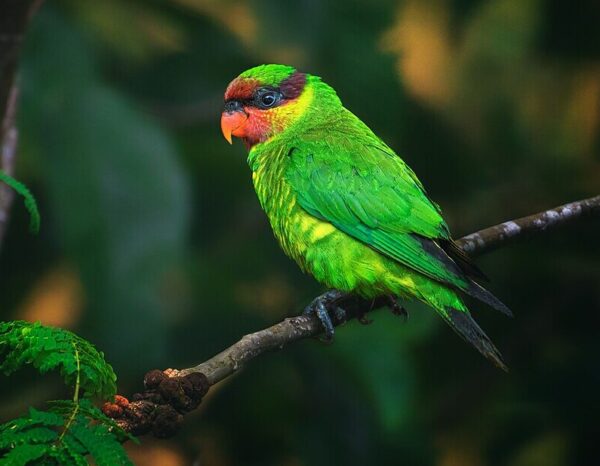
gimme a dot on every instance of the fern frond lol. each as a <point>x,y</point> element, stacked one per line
<point>71,452</point>
<point>28,199</point>
<point>50,348</point>
<point>29,437</point>
<point>101,443</point>
<point>23,455</point>
<point>45,418</point>
<point>10,440</point>
<point>62,456</point>
<point>71,430</point>
<point>35,418</point>
<point>64,435</point>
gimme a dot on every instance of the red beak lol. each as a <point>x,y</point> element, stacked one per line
<point>231,121</point>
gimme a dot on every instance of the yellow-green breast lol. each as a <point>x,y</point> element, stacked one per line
<point>334,258</point>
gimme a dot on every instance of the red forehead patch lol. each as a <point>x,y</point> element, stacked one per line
<point>241,89</point>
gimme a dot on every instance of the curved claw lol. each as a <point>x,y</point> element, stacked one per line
<point>364,320</point>
<point>320,305</point>
<point>396,308</point>
<point>323,316</point>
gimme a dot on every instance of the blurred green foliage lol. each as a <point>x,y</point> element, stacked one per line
<point>28,200</point>
<point>155,249</point>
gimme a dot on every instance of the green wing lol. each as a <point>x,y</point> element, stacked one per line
<point>364,189</point>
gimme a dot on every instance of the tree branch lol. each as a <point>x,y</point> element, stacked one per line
<point>505,233</point>
<point>14,18</point>
<point>8,150</point>
<point>170,394</point>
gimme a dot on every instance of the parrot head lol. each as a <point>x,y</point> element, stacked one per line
<point>265,101</point>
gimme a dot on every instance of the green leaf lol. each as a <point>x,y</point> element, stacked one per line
<point>101,443</point>
<point>65,454</point>
<point>23,455</point>
<point>45,418</point>
<point>35,418</point>
<point>74,449</point>
<point>32,435</point>
<point>50,348</point>
<point>29,200</point>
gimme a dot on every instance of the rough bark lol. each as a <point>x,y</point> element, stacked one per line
<point>500,235</point>
<point>8,150</point>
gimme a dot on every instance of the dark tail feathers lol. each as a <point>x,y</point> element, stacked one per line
<point>463,324</point>
<point>458,263</point>
<point>462,259</point>
<point>479,292</point>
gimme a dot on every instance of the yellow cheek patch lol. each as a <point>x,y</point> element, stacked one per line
<point>305,99</point>
<point>287,114</point>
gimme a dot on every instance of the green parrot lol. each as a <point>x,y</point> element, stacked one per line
<point>344,206</point>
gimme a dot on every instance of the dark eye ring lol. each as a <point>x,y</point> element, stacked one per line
<point>268,99</point>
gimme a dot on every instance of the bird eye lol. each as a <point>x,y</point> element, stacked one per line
<point>267,98</point>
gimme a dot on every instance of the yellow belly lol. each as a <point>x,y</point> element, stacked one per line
<point>338,260</point>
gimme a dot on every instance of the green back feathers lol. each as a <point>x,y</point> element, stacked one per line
<point>371,195</point>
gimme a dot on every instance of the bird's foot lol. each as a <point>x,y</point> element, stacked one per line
<point>322,306</point>
<point>361,316</point>
<point>396,308</point>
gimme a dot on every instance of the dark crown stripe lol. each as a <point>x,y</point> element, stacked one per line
<point>292,87</point>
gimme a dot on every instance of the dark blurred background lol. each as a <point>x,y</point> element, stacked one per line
<point>153,245</point>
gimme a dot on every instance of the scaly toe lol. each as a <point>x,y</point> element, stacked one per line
<point>396,308</point>
<point>320,306</point>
